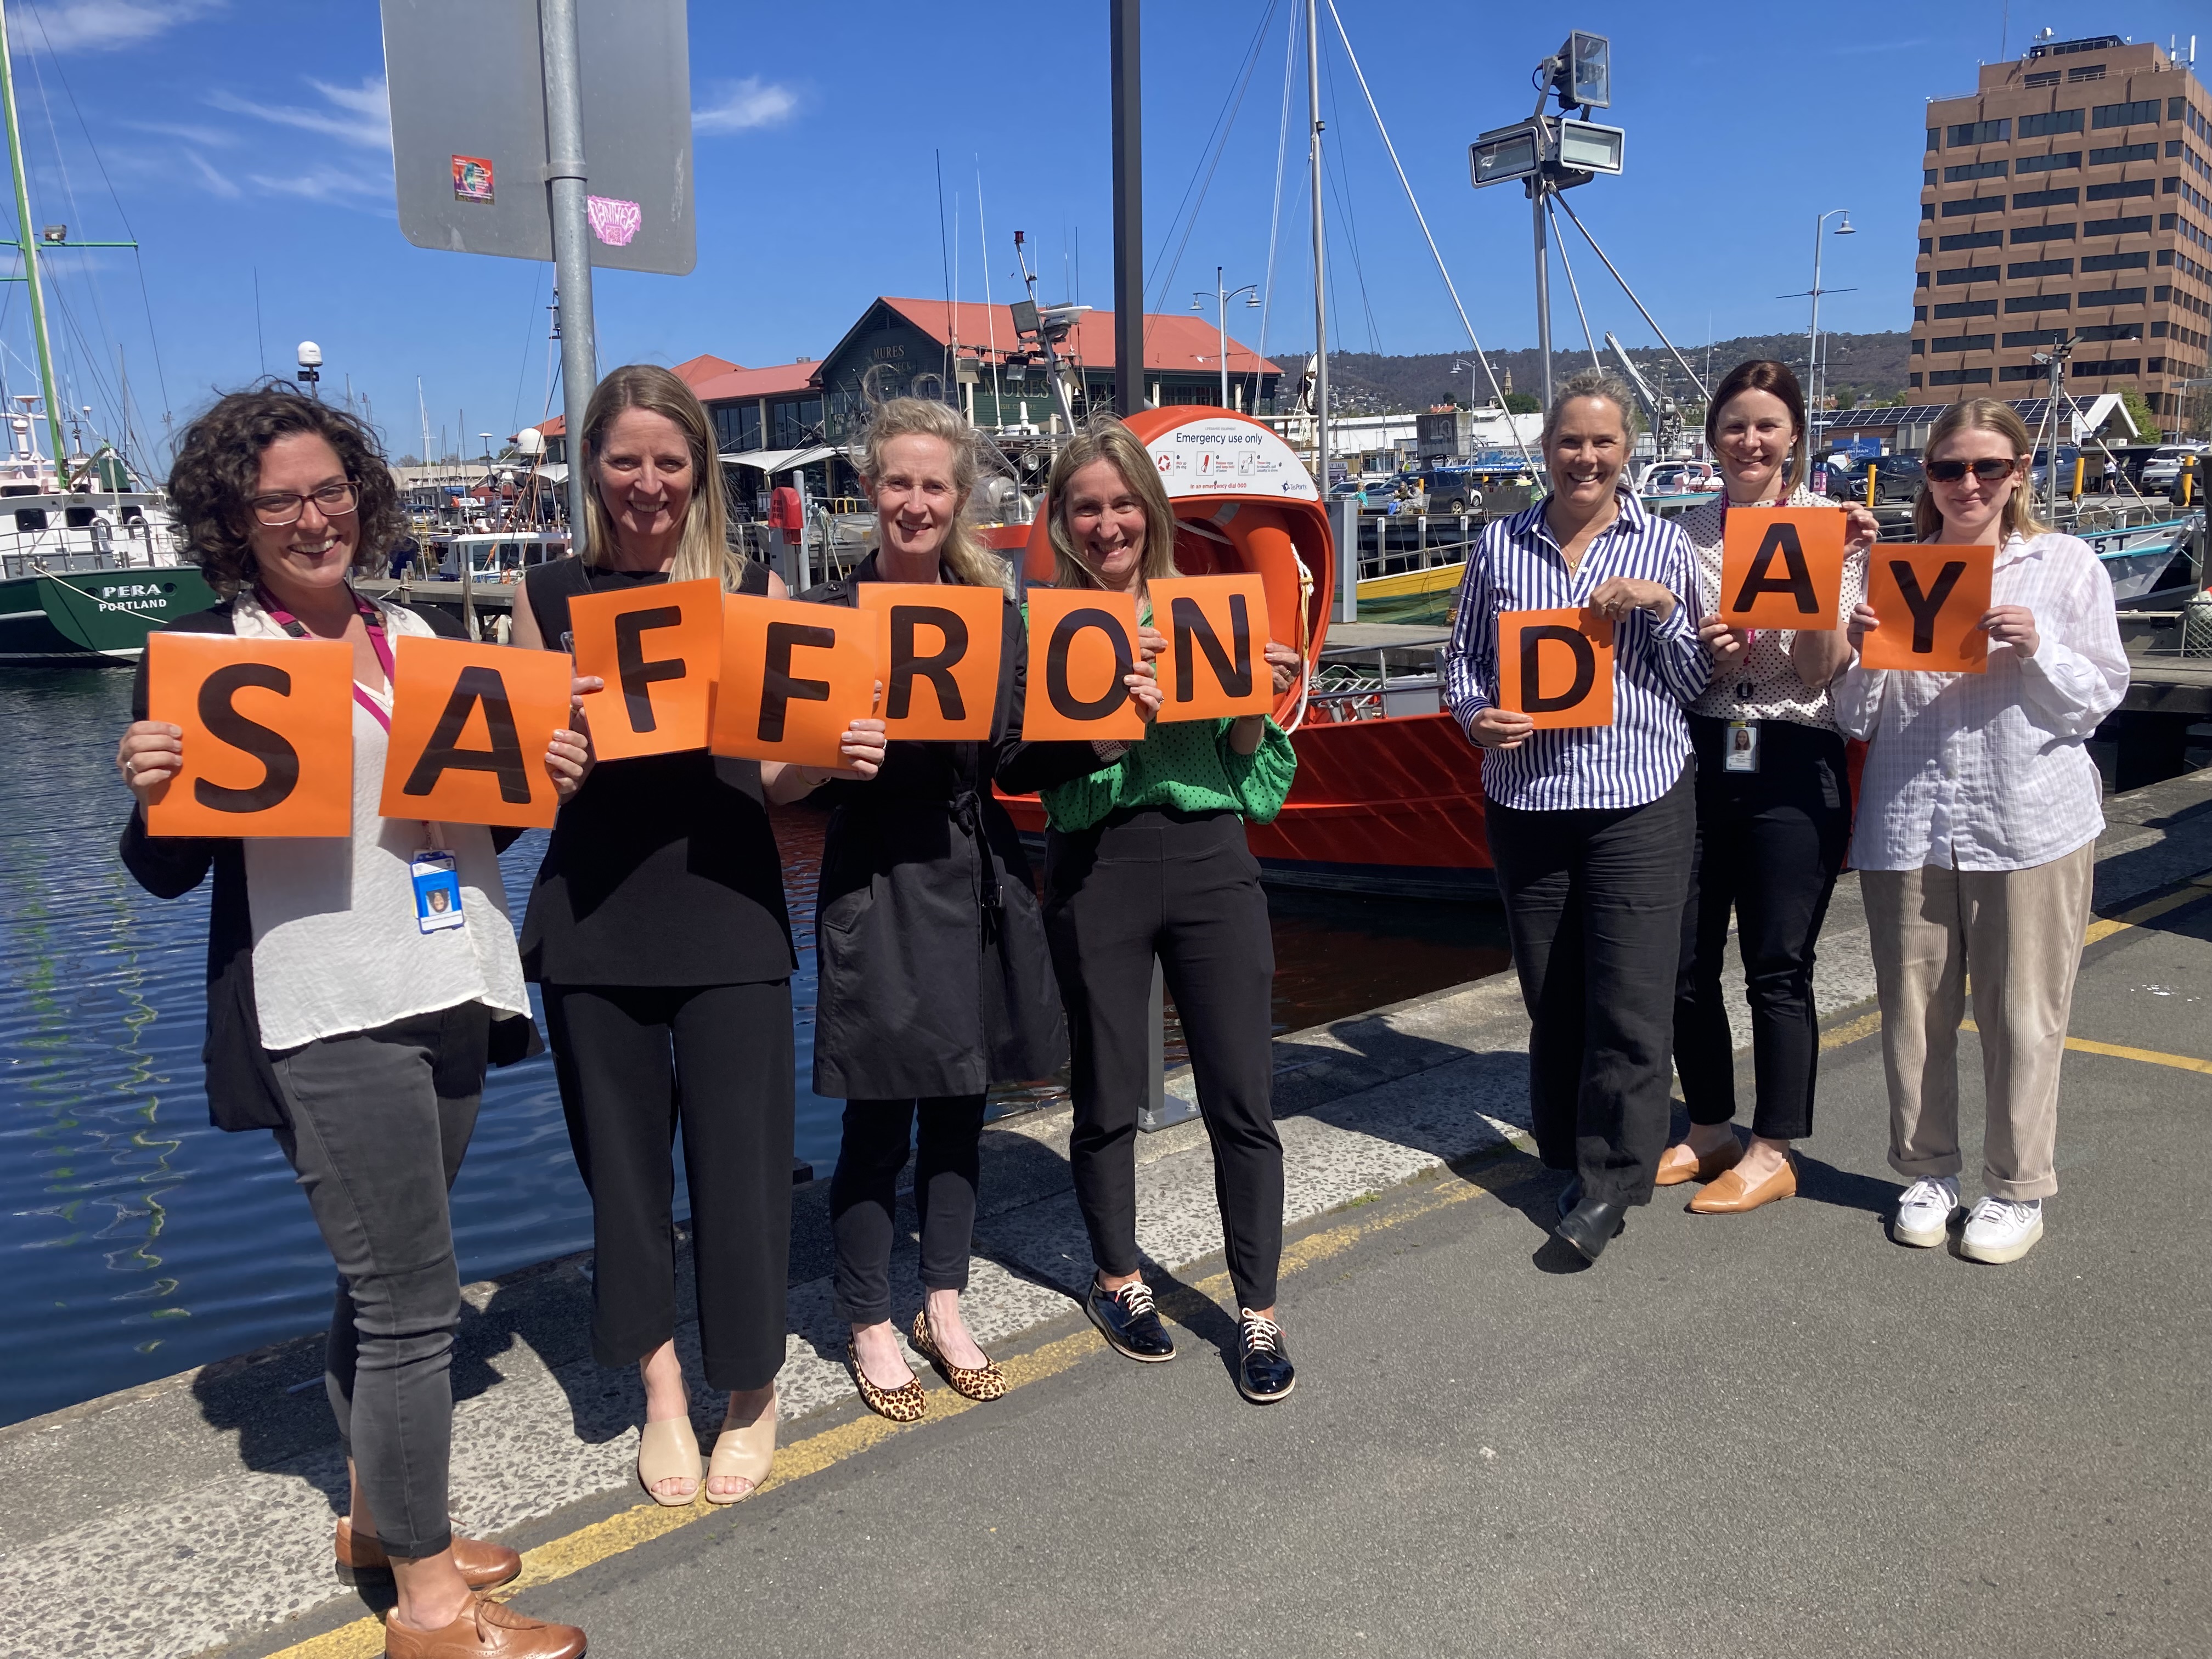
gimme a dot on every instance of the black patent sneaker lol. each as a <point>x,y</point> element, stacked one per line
<point>1263,1365</point>
<point>1126,1319</point>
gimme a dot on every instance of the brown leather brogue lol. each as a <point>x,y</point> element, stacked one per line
<point>485,1629</point>
<point>484,1564</point>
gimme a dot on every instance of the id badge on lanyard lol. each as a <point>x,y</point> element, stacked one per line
<point>1740,753</point>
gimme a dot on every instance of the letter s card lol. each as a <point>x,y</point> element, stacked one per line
<point>268,726</point>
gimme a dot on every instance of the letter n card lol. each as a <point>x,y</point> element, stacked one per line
<point>793,677</point>
<point>470,724</point>
<point>1928,600</point>
<point>1556,666</point>
<point>1783,566</point>
<point>1216,662</point>
<point>1083,644</point>
<point>940,658</point>
<point>657,649</point>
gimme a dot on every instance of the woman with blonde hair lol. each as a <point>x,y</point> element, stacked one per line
<point>1979,815</point>
<point>1145,860</point>
<point>935,980</point>
<point>657,930</point>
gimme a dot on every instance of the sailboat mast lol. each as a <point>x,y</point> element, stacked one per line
<point>30,246</point>
<point>1320,303</point>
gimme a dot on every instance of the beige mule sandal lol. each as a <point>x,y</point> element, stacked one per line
<point>745,1453</point>
<point>668,1450</point>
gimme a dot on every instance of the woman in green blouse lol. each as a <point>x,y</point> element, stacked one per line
<point>1145,859</point>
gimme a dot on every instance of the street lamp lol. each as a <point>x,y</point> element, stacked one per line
<point>1812,334</point>
<point>1221,299</point>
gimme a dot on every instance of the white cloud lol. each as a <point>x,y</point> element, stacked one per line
<point>358,115</point>
<point>739,106</point>
<point>207,137</point>
<point>102,24</point>
<point>340,186</point>
<point>220,183</point>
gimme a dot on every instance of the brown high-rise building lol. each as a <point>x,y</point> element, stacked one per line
<point>2069,197</point>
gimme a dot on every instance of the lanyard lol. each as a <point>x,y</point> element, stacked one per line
<point>372,619</point>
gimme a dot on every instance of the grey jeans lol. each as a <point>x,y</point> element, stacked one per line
<point>380,1122</point>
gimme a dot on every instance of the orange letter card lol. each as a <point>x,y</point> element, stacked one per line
<point>1216,661</point>
<point>1082,641</point>
<point>940,657</point>
<point>1930,600</point>
<point>1783,566</point>
<point>793,677</point>
<point>657,649</point>
<point>470,724</point>
<point>268,728</point>
<point>1556,666</point>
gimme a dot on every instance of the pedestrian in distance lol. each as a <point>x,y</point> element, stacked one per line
<point>1145,861</point>
<point>1590,828</point>
<point>935,981</point>
<point>1774,818</point>
<point>336,1019</point>
<point>657,932</point>
<point>1980,810</point>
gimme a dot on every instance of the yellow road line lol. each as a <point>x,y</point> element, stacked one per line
<point>1864,1026</point>
<point>2119,1051</point>
<point>363,1638</point>
<point>2105,927</point>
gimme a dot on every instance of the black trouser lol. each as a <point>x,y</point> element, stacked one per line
<point>1594,905</point>
<point>633,1061</point>
<point>1770,844</point>
<point>863,1194</point>
<point>1184,887</point>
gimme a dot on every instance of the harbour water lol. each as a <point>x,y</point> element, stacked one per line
<point>136,1241</point>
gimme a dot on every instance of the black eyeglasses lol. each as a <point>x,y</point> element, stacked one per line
<point>333,501</point>
<point>1989,470</point>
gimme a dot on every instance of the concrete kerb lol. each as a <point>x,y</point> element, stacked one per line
<point>209,1493</point>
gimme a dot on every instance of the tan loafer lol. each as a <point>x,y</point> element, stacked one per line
<point>668,1450</point>
<point>745,1453</point>
<point>1681,1163</point>
<point>1731,1194</point>
<point>485,1629</point>
<point>484,1564</point>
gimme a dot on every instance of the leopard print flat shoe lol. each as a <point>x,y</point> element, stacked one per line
<point>988,1384</point>
<point>904,1404</point>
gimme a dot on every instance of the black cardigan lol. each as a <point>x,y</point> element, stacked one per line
<point>241,1086</point>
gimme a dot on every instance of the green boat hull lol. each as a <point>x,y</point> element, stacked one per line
<point>94,616</point>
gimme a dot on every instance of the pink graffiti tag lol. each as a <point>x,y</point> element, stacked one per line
<point>614,220</point>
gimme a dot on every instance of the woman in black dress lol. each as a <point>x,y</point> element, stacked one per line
<point>935,978</point>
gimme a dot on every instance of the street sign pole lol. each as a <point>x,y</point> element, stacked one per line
<point>572,251</point>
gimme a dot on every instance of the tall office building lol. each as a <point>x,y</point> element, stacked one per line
<point>2069,197</point>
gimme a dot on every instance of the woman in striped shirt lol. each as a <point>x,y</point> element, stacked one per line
<point>1591,827</point>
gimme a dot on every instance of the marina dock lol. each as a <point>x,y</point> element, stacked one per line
<point>1485,1452</point>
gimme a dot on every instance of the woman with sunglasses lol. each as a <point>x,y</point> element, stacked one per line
<point>1979,815</point>
<point>336,1018</point>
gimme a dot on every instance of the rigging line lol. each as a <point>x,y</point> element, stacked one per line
<point>76,212</point>
<point>529,340</point>
<point>1480,355</point>
<point>990,311</point>
<point>1342,184</point>
<point>1176,218</point>
<point>1276,218</point>
<point>945,264</point>
<point>1589,339</point>
<point>1689,373</point>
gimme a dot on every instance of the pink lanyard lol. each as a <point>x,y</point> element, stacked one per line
<point>372,619</point>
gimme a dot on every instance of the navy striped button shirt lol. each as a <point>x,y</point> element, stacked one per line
<point>1658,667</point>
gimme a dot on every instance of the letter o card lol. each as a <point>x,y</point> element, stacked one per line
<point>1082,641</point>
<point>940,658</point>
<point>268,728</point>
<point>1928,600</point>
<point>657,649</point>
<point>793,677</point>
<point>1783,566</point>
<point>1556,666</point>
<point>470,724</point>
<point>1216,662</point>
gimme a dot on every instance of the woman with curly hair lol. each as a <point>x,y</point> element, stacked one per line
<point>334,1018</point>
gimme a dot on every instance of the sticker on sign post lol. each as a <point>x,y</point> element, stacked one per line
<point>940,650</point>
<point>1083,645</point>
<point>469,725</point>
<point>1216,662</point>
<point>793,677</point>
<point>658,649</point>
<point>1929,599</point>
<point>1556,666</point>
<point>1783,568</point>
<point>268,743</point>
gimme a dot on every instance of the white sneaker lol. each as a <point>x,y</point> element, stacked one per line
<point>2003,1228</point>
<point>1923,1214</point>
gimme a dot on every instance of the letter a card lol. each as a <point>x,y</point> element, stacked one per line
<point>1083,643</point>
<point>940,657</point>
<point>470,724</point>
<point>657,649</point>
<point>1216,662</point>
<point>1928,600</point>
<point>1556,666</point>
<point>268,728</point>
<point>1782,567</point>
<point>793,677</point>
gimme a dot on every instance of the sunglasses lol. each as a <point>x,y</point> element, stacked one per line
<point>1989,471</point>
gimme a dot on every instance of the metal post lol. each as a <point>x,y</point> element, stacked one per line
<point>572,251</point>
<point>1319,247</point>
<point>1221,321</point>
<point>1128,210</point>
<point>28,234</point>
<point>1347,529</point>
<point>1812,335</point>
<point>1536,195</point>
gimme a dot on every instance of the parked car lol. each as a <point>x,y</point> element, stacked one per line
<point>1450,491</point>
<point>1679,478</point>
<point>2039,470</point>
<point>2163,468</point>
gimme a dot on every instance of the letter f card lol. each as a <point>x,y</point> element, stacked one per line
<point>656,648</point>
<point>793,677</point>
<point>1556,666</point>
<point>1783,566</point>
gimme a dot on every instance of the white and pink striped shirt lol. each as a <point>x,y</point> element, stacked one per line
<point>1989,771</point>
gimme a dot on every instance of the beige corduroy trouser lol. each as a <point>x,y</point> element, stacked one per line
<point>2019,933</point>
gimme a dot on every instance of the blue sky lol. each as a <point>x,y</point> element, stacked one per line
<point>244,140</point>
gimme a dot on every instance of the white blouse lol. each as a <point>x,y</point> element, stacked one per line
<point>337,948</point>
<point>1989,771</point>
